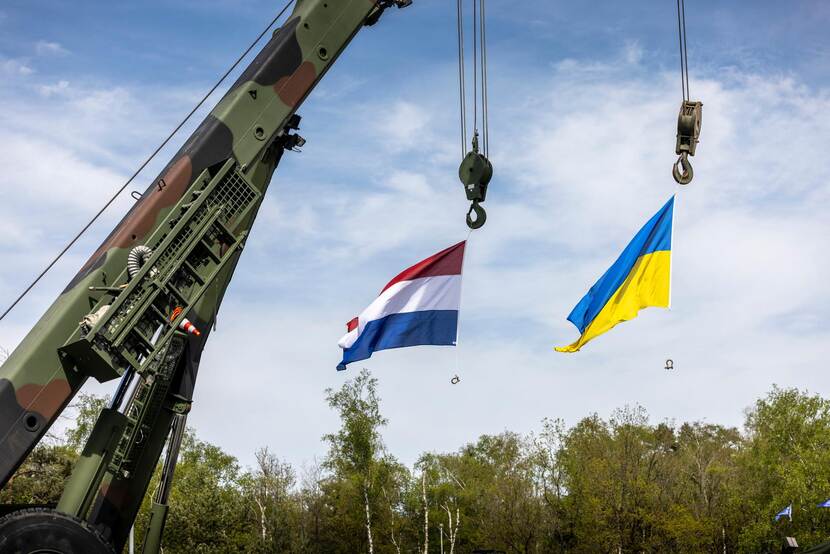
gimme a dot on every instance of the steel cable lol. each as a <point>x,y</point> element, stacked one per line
<point>475,69</point>
<point>479,63</point>
<point>461,79</point>
<point>485,109</point>
<point>684,58</point>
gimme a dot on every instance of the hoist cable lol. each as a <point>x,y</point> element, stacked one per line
<point>144,164</point>
<point>462,92</point>
<point>475,69</point>
<point>685,52</point>
<point>479,63</point>
<point>680,45</point>
<point>684,59</point>
<point>485,111</point>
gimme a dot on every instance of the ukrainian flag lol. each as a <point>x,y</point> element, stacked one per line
<point>640,278</point>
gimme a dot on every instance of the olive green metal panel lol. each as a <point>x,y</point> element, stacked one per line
<point>155,529</point>
<point>89,469</point>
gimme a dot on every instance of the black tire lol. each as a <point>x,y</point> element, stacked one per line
<point>44,531</point>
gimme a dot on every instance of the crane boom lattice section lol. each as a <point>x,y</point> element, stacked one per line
<point>197,242</point>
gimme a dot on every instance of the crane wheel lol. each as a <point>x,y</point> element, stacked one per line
<point>44,531</point>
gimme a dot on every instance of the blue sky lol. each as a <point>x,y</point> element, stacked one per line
<point>583,110</point>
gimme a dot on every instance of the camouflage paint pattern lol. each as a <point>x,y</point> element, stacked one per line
<point>244,126</point>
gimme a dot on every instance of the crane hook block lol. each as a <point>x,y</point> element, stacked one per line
<point>688,135</point>
<point>475,173</point>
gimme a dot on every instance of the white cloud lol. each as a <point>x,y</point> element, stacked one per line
<point>403,124</point>
<point>15,67</point>
<point>61,87</point>
<point>66,180</point>
<point>633,52</point>
<point>47,48</point>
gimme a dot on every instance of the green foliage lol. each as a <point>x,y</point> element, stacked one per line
<point>206,504</point>
<point>353,450</point>
<point>361,474</point>
<point>88,406</point>
<point>41,477</point>
<point>786,460</point>
<point>621,484</point>
<point>266,493</point>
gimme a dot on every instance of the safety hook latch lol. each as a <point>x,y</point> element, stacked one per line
<point>688,135</point>
<point>475,173</point>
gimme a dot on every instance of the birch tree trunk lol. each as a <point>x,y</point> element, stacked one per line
<point>441,535</point>
<point>368,518</point>
<point>453,531</point>
<point>262,522</point>
<point>395,542</point>
<point>426,512</point>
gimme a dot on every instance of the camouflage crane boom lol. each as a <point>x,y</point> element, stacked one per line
<point>141,308</point>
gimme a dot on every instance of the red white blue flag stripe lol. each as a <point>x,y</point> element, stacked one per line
<point>418,307</point>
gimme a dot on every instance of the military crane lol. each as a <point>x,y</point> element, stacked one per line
<point>141,309</point>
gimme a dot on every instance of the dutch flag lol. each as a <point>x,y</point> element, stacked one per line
<point>418,307</point>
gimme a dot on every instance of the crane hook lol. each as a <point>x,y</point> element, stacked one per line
<point>682,170</point>
<point>481,216</point>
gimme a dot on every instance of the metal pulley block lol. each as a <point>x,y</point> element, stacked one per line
<point>688,127</point>
<point>475,173</point>
<point>688,135</point>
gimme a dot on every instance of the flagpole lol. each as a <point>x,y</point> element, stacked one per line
<point>671,262</point>
<point>461,288</point>
<point>460,298</point>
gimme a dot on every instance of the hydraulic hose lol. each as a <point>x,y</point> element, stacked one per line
<point>137,258</point>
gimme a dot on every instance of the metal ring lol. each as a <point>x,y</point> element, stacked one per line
<point>481,216</point>
<point>688,173</point>
<point>136,195</point>
<point>455,380</point>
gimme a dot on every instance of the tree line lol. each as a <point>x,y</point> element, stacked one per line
<point>616,485</point>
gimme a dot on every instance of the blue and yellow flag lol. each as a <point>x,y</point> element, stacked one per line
<point>640,278</point>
